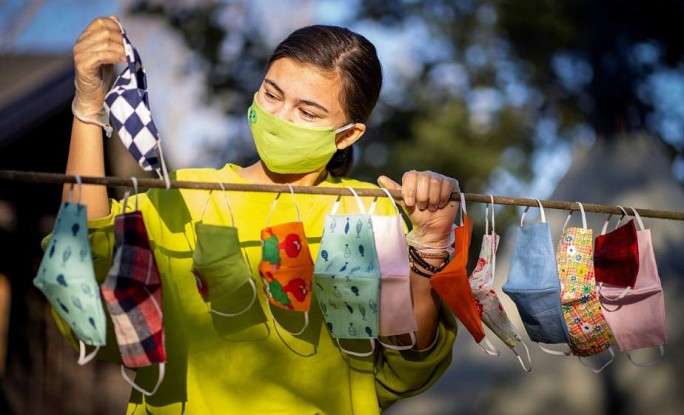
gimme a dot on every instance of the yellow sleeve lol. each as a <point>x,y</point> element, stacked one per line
<point>401,374</point>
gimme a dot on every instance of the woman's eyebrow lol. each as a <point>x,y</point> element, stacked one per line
<point>302,101</point>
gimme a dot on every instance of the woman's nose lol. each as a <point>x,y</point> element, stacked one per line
<point>283,112</point>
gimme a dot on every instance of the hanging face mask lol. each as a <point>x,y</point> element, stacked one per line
<point>347,277</point>
<point>133,294</point>
<point>129,113</point>
<point>588,331</point>
<point>396,304</point>
<point>289,148</point>
<point>616,256</point>
<point>67,278</point>
<point>482,284</point>
<point>451,283</point>
<point>219,267</point>
<point>637,317</point>
<point>533,283</point>
<point>286,266</point>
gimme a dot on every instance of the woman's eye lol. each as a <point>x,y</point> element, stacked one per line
<point>308,115</point>
<point>270,95</point>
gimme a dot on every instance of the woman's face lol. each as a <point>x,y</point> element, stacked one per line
<point>302,94</point>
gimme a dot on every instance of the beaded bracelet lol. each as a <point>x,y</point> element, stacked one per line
<point>413,253</point>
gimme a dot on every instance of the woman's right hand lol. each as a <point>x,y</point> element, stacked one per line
<point>97,48</point>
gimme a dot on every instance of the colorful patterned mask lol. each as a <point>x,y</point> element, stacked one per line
<point>588,331</point>
<point>133,294</point>
<point>286,266</point>
<point>67,278</point>
<point>637,318</point>
<point>482,284</point>
<point>533,283</point>
<point>616,256</point>
<point>220,269</point>
<point>396,304</point>
<point>451,283</point>
<point>347,276</point>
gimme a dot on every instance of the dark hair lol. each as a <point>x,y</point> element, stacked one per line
<point>334,48</point>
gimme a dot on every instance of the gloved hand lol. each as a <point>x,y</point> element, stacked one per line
<point>97,49</point>
<point>426,199</point>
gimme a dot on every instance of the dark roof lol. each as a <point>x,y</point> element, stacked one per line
<point>32,88</point>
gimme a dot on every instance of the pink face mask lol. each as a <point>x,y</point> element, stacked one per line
<point>482,283</point>
<point>396,305</point>
<point>637,317</point>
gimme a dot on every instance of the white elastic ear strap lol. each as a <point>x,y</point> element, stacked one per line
<point>135,191</point>
<point>389,195</point>
<point>275,320</point>
<point>372,342</point>
<point>294,202</point>
<point>541,211</point>
<point>393,347</point>
<point>637,216</point>
<point>362,209</point>
<point>82,357</point>
<point>529,359</point>
<point>243,311</point>
<point>584,216</point>
<point>225,197</point>
<point>162,371</point>
<point>463,207</point>
<point>624,215</point>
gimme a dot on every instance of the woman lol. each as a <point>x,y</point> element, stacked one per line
<point>320,76</point>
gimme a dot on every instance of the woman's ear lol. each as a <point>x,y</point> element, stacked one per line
<point>350,136</point>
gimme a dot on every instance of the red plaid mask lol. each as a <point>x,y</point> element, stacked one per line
<point>133,295</point>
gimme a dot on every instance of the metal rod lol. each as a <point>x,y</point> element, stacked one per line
<point>56,178</point>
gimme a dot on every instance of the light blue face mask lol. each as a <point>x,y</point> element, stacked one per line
<point>534,286</point>
<point>347,277</point>
<point>67,278</point>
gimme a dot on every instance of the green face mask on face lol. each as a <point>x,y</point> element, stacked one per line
<point>289,148</point>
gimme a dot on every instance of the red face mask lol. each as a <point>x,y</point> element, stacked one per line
<point>616,255</point>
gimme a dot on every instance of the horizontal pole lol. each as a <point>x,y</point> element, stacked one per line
<point>56,178</point>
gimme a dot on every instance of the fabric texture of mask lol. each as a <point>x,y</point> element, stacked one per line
<point>588,331</point>
<point>219,267</point>
<point>133,294</point>
<point>491,309</point>
<point>67,278</point>
<point>289,148</point>
<point>396,304</point>
<point>637,320</point>
<point>286,266</point>
<point>451,283</point>
<point>616,256</point>
<point>533,282</point>
<point>129,113</point>
<point>347,276</point>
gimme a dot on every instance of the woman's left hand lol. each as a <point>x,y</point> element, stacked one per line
<point>426,200</point>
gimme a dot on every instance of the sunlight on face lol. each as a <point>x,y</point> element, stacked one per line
<point>302,94</point>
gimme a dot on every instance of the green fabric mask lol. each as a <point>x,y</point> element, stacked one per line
<point>289,148</point>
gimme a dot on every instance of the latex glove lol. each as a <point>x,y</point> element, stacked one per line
<point>426,200</point>
<point>97,49</point>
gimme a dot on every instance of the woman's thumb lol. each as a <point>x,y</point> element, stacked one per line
<point>388,183</point>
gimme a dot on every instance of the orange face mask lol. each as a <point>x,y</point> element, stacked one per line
<point>286,266</point>
<point>453,286</point>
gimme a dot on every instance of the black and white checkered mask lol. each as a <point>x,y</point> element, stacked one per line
<point>129,112</point>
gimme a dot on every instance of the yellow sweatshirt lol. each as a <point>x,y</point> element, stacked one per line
<point>247,364</point>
